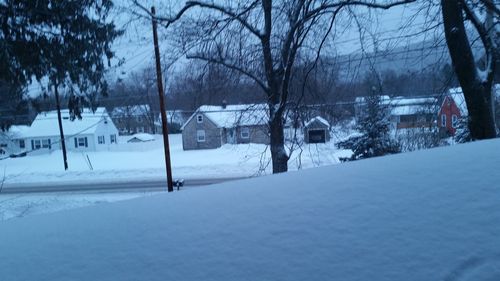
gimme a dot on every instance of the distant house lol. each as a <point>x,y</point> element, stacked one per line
<point>413,112</point>
<point>134,119</point>
<point>175,120</point>
<point>317,130</point>
<point>212,126</point>
<point>93,132</point>
<point>405,113</point>
<point>453,107</point>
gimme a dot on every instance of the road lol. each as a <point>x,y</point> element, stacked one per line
<point>107,186</point>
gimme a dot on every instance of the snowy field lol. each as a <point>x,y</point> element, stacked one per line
<point>427,215</point>
<point>145,161</point>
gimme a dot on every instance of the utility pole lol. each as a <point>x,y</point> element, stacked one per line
<point>59,119</point>
<point>162,104</point>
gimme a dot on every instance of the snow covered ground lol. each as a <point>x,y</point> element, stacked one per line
<point>21,205</point>
<point>145,161</point>
<point>427,215</point>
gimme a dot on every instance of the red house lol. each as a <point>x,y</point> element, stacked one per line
<point>452,109</point>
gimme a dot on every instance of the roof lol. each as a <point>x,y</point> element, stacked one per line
<point>142,137</point>
<point>457,96</point>
<point>234,115</point>
<point>410,106</point>
<point>319,119</point>
<point>384,99</point>
<point>46,124</point>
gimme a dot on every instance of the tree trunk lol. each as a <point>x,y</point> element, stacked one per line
<point>278,153</point>
<point>477,92</point>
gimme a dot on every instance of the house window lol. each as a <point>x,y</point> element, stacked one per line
<point>81,142</point>
<point>245,133</point>
<point>139,119</point>
<point>112,138</point>
<point>100,140</point>
<point>443,120</point>
<point>46,143</point>
<point>36,144</point>
<point>454,121</point>
<point>200,135</point>
<point>199,118</point>
<point>22,144</point>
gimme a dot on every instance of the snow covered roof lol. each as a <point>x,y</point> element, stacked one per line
<point>142,137</point>
<point>330,223</point>
<point>132,110</point>
<point>409,106</point>
<point>46,125</point>
<point>384,99</point>
<point>457,96</point>
<point>319,119</point>
<point>234,115</point>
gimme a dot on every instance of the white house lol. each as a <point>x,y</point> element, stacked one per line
<point>11,142</point>
<point>95,131</point>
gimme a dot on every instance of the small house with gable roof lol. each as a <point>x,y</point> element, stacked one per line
<point>212,126</point>
<point>317,130</point>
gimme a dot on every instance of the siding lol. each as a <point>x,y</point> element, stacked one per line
<point>213,138</point>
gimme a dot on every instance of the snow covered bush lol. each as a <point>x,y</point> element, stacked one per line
<point>374,128</point>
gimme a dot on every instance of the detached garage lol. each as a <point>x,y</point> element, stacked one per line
<point>317,130</point>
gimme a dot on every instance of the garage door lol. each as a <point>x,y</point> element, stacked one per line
<point>317,136</point>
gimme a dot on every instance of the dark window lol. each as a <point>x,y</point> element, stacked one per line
<point>22,144</point>
<point>317,136</point>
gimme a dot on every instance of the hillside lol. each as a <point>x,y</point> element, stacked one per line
<point>429,215</point>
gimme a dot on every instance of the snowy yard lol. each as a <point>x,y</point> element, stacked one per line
<point>428,215</point>
<point>145,161</point>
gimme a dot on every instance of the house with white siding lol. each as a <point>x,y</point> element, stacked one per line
<point>95,131</point>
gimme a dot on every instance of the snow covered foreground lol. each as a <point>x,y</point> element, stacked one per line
<point>429,215</point>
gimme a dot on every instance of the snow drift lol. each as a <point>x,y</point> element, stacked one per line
<point>429,215</point>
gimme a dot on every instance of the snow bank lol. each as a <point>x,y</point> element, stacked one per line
<point>429,215</point>
<point>145,161</point>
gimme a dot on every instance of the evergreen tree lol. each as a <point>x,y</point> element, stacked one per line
<point>66,41</point>
<point>462,133</point>
<point>374,128</point>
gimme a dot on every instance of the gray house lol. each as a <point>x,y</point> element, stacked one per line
<point>212,126</point>
<point>317,130</point>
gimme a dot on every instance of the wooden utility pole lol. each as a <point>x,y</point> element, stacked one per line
<point>162,104</point>
<point>59,119</point>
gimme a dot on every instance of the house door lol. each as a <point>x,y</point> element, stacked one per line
<point>317,136</point>
<point>231,135</point>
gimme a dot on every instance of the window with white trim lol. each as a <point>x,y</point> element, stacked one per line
<point>81,142</point>
<point>112,138</point>
<point>22,144</point>
<point>101,140</point>
<point>46,143</point>
<point>245,133</point>
<point>199,118</point>
<point>36,144</point>
<point>454,121</point>
<point>443,120</point>
<point>200,135</point>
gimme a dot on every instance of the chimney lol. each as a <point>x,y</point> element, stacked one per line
<point>224,104</point>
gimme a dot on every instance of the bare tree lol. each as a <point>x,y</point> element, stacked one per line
<point>475,79</point>
<point>262,40</point>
